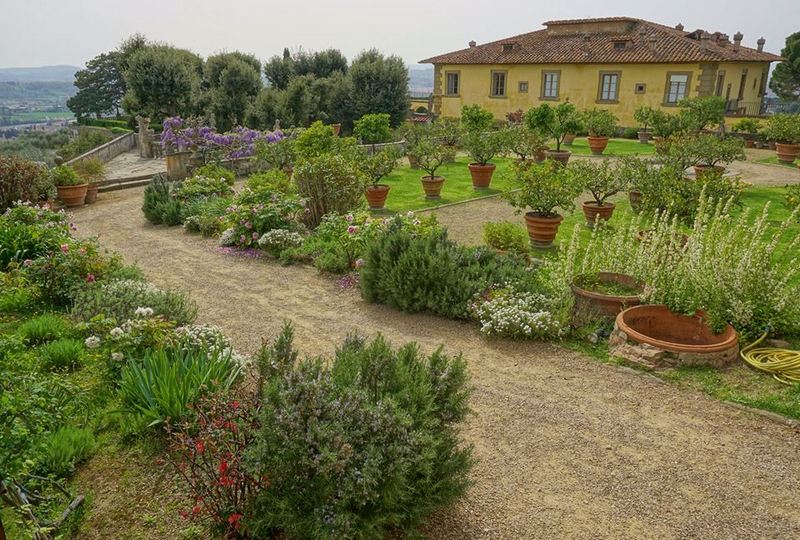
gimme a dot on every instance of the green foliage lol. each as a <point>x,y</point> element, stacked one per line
<point>256,211</point>
<point>783,128</point>
<point>206,216</point>
<point>786,78</point>
<point>119,300</point>
<point>316,140</point>
<point>279,155</point>
<point>599,122</point>
<point>704,149</point>
<point>65,448</point>
<point>792,196</point>
<point>379,85</point>
<point>475,118</point>
<point>213,170</point>
<point>431,154</point>
<point>702,111</point>
<point>22,180</point>
<point>644,115</point>
<point>156,196</point>
<point>520,140</point>
<point>430,273</point>
<point>747,125</point>
<point>234,80</point>
<point>543,188</point>
<point>61,354</point>
<point>506,236</point>
<point>87,139</point>
<point>483,146</point>
<point>377,165</point>
<point>373,128</point>
<point>28,232</point>
<point>362,448</point>
<point>162,385</point>
<point>44,328</point>
<point>555,122</point>
<point>202,187</point>
<point>331,183</point>
<point>272,180</point>
<point>64,175</point>
<point>91,170</point>
<point>599,178</point>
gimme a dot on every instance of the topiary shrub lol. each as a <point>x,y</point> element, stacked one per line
<point>366,446</point>
<point>156,195</point>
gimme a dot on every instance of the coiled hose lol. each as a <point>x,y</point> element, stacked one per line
<point>782,364</point>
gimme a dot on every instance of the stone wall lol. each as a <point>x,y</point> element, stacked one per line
<point>109,150</point>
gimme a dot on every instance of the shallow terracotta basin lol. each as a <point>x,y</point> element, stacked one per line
<point>658,326</point>
<point>605,304</point>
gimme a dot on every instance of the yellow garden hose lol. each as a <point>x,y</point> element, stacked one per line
<point>783,364</point>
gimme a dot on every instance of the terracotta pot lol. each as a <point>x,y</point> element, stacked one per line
<point>91,193</point>
<point>787,153</point>
<point>540,155</point>
<point>376,196</point>
<point>605,304</point>
<point>72,196</point>
<point>700,170</point>
<point>337,128</point>
<point>644,136</point>
<point>542,230</point>
<point>481,175</point>
<point>597,144</point>
<point>413,161</point>
<point>749,143</point>
<point>594,212</point>
<point>635,198</point>
<point>569,138</point>
<point>561,157</point>
<point>432,186</point>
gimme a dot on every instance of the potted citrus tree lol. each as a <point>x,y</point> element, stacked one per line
<point>93,170</point>
<point>644,116</point>
<point>712,153</point>
<point>70,187</point>
<point>601,125</point>
<point>541,189</point>
<point>748,128</point>
<point>554,122</point>
<point>431,154</point>
<point>482,147</point>
<point>524,143</point>
<point>637,175</point>
<point>784,130</point>
<point>375,167</point>
<point>411,133</point>
<point>602,181</point>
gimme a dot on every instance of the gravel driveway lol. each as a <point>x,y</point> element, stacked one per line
<point>568,447</point>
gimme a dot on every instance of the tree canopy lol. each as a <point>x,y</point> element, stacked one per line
<point>786,77</point>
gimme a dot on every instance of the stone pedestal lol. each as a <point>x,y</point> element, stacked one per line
<point>622,346</point>
<point>146,137</point>
<point>177,165</point>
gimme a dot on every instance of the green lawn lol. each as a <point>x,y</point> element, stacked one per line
<point>616,147</point>
<point>773,160</point>
<point>38,116</point>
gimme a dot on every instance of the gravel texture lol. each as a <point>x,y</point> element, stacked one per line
<point>567,447</point>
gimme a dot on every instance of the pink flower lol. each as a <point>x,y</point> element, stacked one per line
<point>64,248</point>
<point>90,278</point>
<point>242,239</point>
<point>248,225</point>
<point>27,262</point>
<point>360,262</point>
<point>352,229</point>
<point>255,236</point>
<point>349,218</point>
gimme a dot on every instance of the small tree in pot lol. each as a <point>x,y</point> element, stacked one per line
<point>700,112</point>
<point>748,128</point>
<point>375,167</point>
<point>482,147</point>
<point>637,174</point>
<point>450,133</point>
<point>665,126</point>
<point>542,189</point>
<point>555,122</point>
<point>524,143</point>
<point>601,124</point>
<point>704,152</point>
<point>784,130</point>
<point>602,181</point>
<point>411,133</point>
<point>644,115</point>
<point>431,154</point>
<point>475,119</point>
<point>93,170</point>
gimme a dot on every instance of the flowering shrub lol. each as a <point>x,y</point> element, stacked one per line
<point>278,240</point>
<point>256,211</point>
<point>28,232</point>
<point>734,268</point>
<point>206,216</point>
<point>330,183</point>
<point>346,452</point>
<point>23,180</point>
<point>180,134</point>
<point>212,170</point>
<point>205,337</point>
<point>507,312</point>
<point>120,299</point>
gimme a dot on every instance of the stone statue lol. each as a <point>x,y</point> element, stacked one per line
<point>146,136</point>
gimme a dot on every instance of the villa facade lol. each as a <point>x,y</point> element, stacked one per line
<point>616,63</point>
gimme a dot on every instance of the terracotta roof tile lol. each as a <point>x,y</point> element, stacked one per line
<point>645,42</point>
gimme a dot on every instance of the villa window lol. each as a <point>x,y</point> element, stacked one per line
<point>498,84</point>
<point>523,87</point>
<point>453,83</point>
<point>550,82</point>
<point>677,87</point>
<point>609,87</point>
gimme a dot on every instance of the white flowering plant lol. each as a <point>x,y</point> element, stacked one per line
<point>278,240</point>
<point>507,311</point>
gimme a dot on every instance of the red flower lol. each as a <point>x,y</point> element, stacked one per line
<point>196,510</point>
<point>223,466</point>
<point>234,405</point>
<point>90,278</point>
<point>200,446</point>
<point>234,519</point>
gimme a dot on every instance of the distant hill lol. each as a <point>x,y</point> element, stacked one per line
<point>58,91</point>
<point>420,78</point>
<point>39,74</point>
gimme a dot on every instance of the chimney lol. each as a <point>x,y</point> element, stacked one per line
<point>651,43</point>
<point>723,40</point>
<point>472,43</point>
<point>585,45</point>
<point>737,41</point>
<point>679,27</point>
<point>705,39</point>
<point>761,42</point>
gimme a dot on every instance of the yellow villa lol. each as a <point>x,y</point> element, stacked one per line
<point>615,63</point>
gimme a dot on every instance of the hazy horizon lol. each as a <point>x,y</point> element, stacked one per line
<point>54,32</point>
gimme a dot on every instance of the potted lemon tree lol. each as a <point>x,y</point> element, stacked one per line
<point>482,147</point>
<point>70,187</point>
<point>431,154</point>
<point>601,125</point>
<point>784,130</point>
<point>375,167</point>
<point>644,115</point>
<point>554,122</point>
<point>541,190</point>
<point>602,181</point>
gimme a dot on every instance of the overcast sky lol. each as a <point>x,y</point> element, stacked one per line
<point>47,32</point>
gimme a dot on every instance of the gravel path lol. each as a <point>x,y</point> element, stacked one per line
<point>568,447</point>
